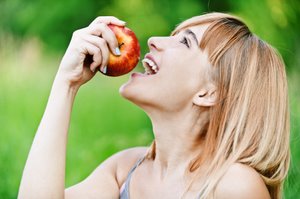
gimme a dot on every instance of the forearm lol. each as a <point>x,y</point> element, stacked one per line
<point>44,173</point>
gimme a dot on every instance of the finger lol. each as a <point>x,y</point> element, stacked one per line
<point>107,34</point>
<point>95,40</point>
<point>95,52</point>
<point>100,43</point>
<point>105,55</point>
<point>109,20</point>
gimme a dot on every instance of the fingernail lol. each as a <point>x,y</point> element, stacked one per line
<point>93,70</point>
<point>104,69</point>
<point>118,51</point>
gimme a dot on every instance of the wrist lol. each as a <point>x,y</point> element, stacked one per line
<point>63,84</point>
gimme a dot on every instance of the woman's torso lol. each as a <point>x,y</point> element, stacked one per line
<point>142,182</point>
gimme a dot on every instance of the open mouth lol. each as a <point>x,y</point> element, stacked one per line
<point>150,67</point>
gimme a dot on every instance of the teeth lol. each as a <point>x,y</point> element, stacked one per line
<point>151,64</point>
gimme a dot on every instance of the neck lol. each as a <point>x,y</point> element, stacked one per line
<point>178,139</point>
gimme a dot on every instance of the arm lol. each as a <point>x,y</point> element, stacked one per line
<point>44,172</point>
<point>105,181</point>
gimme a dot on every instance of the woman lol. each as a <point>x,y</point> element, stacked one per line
<point>218,105</point>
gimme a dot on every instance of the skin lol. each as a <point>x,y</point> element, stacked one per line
<point>180,93</point>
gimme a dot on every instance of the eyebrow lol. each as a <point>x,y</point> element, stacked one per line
<point>189,32</point>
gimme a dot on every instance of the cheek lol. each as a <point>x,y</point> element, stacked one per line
<point>178,87</point>
<point>185,72</point>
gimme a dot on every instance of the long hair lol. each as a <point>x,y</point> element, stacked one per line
<point>250,122</point>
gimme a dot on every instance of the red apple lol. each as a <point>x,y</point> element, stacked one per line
<point>130,52</point>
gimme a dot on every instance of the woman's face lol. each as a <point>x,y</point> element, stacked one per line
<point>183,70</point>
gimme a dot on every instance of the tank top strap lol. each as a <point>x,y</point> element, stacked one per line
<point>124,193</point>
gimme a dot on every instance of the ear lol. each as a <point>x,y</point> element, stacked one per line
<point>206,97</point>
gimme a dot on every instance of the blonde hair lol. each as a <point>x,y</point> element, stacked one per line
<point>250,122</point>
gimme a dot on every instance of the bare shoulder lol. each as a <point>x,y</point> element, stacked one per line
<point>241,181</point>
<point>132,154</point>
<point>106,179</point>
<point>124,157</point>
<point>124,160</point>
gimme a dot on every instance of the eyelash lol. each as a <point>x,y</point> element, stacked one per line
<point>185,42</point>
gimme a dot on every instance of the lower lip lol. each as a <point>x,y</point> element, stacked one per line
<point>133,75</point>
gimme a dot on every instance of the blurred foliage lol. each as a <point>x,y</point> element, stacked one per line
<point>53,21</point>
<point>33,36</point>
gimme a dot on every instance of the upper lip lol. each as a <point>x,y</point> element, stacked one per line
<point>149,56</point>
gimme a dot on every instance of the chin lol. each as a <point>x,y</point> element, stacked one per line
<point>128,91</point>
<point>135,94</point>
<point>124,90</point>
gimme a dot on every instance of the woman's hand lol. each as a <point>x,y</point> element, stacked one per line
<point>88,51</point>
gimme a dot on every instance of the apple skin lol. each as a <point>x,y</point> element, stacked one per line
<point>130,52</point>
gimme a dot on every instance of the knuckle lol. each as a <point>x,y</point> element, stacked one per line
<point>100,18</point>
<point>96,20</point>
<point>100,25</point>
<point>111,17</point>
<point>98,40</point>
<point>99,28</point>
<point>78,32</point>
<point>102,42</point>
<point>97,51</point>
<point>98,58</point>
<point>104,18</point>
<point>75,33</point>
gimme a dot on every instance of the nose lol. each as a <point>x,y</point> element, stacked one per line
<point>154,43</point>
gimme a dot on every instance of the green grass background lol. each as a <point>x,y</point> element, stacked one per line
<point>102,121</point>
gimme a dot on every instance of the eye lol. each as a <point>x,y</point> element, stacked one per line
<point>185,41</point>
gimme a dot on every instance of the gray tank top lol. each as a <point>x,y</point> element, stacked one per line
<point>124,192</point>
<point>125,188</point>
